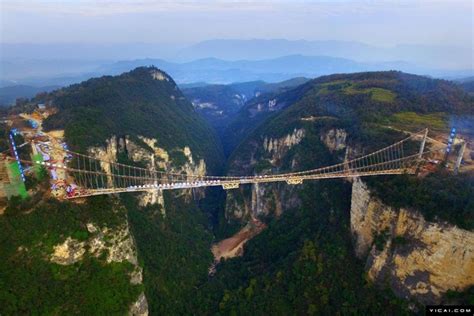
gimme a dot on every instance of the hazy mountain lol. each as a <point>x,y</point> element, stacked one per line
<point>225,61</point>
<point>213,70</point>
<point>428,56</point>
<point>467,84</point>
<point>264,49</point>
<point>8,95</point>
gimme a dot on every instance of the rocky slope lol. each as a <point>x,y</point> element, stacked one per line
<point>265,199</point>
<point>153,158</point>
<point>418,258</point>
<point>115,244</point>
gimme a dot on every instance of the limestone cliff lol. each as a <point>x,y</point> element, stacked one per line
<point>334,139</point>
<point>116,244</point>
<point>265,199</point>
<point>262,200</point>
<point>146,151</point>
<point>278,147</point>
<point>418,258</point>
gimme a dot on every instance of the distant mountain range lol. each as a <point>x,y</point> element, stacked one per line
<point>213,70</point>
<point>445,57</point>
<point>9,94</point>
<point>225,61</point>
<point>424,55</point>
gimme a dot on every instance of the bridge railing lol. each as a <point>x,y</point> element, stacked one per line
<point>87,175</point>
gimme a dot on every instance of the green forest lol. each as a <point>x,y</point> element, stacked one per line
<point>303,263</point>
<point>31,284</point>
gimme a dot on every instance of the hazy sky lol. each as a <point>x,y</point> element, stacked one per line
<point>375,22</point>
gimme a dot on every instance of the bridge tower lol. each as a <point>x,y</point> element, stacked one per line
<point>423,143</point>
<point>459,158</point>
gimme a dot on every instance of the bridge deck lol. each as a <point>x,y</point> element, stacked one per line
<point>82,175</point>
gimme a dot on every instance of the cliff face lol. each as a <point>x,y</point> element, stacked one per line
<point>418,258</point>
<point>115,243</point>
<point>155,158</point>
<point>146,151</point>
<point>334,139</point>
<point>265,199</point>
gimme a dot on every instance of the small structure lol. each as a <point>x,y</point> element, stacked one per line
<point>41,106</point>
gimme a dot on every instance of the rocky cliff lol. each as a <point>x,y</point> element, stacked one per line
<point>114,244</point>
<point>264,199</point>
<point>271,155</point>
<point>146,151</point>
<point>334,139</point>
<point>417,258</point>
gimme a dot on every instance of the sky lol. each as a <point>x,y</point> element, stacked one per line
<point>376,22</point>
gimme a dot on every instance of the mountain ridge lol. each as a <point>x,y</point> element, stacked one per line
<point>213,70</point>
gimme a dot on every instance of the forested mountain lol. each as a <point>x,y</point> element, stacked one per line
<point>9,94</point>
<point>467,84</point>
<point>111,254</point>
<point>145,102</point>
<point>296,264</point>
<point>92,257</point>
<point>364,95</point>
<point>219,103</point>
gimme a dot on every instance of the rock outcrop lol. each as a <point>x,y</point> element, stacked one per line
<point>68,252</point>
<point>140,307</point>
<point>278,147</point>
<point>158,75</point>
<point>418,258</point>
<point>334,139</point>
<point>264,199</point>
<point>155,159</point>
<point>117,244</point>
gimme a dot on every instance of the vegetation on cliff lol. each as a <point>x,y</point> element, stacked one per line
<point>303,263</point>
<point>30,283</point>
<point>174,250</point>
<point>439,196</point>
<point>143,102</point>
<point>370,107</point>
<point>356,100</point>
